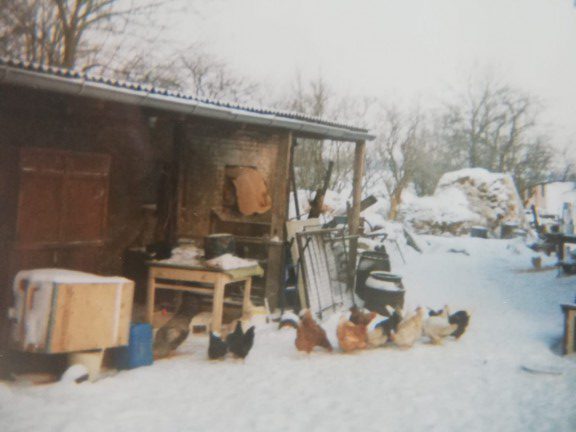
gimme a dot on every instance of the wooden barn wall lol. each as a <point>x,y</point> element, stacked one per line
<point>30,118</point>
<point>140,142</point>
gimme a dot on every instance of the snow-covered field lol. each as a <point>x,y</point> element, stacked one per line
<point>476,384</point>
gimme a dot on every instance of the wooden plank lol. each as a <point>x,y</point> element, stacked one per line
<point>91,316</point>
<point>127,301</point>
<point>186,275</point>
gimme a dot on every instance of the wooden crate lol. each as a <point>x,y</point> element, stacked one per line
<point>70,314</point>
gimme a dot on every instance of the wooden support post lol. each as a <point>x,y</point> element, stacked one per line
<point>293,178</point>
<point>354,219</point>
<point>280,200</point>
<point>281,193</point>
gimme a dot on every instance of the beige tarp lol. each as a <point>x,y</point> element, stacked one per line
<point>251,191</point>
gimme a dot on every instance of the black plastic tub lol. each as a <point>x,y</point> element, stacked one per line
<point>383,289</point>
<point>370,261</point>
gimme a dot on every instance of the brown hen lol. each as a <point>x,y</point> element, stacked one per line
<point>309,334</point>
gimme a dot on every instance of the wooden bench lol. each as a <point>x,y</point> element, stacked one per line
<point>569,324</point>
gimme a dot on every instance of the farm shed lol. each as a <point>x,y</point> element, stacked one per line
<point>83,158</point>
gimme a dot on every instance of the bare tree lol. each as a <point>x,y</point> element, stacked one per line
<point>55,32</point>
<point>494,126</point>
<point>211,78</point>
<point>400,150</point>
<point>312,99</point>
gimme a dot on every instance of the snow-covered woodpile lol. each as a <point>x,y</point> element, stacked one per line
<point>463,199</point>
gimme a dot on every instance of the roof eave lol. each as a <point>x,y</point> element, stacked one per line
<point>82,87</point>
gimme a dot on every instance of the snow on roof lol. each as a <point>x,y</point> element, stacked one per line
<point>53,78</point>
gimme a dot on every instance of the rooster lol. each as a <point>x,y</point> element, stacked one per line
<point>352,336</point>
<point>309,334</point>
<point>380,330</point>
<point>409,330</point>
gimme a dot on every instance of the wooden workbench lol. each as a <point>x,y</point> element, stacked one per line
<point>172,276</point>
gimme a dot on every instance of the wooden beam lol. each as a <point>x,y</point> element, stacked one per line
<point>354,219</point>
<point>280,200</point>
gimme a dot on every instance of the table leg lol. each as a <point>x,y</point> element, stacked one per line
<point>218,305</point>
<point>150,297</point>
<point>246,302</point>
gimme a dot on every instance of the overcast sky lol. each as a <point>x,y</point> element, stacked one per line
<point>401,50</point>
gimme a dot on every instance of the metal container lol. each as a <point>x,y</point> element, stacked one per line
<point>216,245</point>
<point>383,289</point>
<point>370,261</point>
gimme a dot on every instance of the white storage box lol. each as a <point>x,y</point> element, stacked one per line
<point>58,311</point>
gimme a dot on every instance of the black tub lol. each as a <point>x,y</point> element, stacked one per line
<point>370,261</point>
<point>383,289</point>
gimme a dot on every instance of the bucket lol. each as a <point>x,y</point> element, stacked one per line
<point>384,289</point>
<point>91,360</point>
<point>370,261</point>
<point>139,350</point>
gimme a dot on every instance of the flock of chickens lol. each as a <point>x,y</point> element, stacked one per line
<point>362,329</point>
<point>357,330</point>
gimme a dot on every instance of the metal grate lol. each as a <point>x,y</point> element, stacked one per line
<point>324,264</point>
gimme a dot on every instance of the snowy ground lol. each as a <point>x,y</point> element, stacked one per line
<point>475,384</point>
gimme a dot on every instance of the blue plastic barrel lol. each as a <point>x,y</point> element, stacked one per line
<point>139,350</point>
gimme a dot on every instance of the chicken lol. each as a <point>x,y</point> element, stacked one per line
<point>461,319</point>
<point>352,336</point>
<point>176,330</point>
<point>437,326</point>
<point>444,324</point>
<point>358,316</point>
<point>380,330</point>
<point>288,322</point>
<point>217,348</point>
<point>240,343</point>
<point>288,319</point>
<point>309,334</point>
<point>409,330</point>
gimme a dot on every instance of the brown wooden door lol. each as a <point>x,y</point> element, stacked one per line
<point>63,198</point>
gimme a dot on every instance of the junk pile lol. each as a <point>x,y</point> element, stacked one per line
<point>465,199</point>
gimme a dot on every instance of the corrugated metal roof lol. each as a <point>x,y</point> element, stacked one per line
<point>298,120</point>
